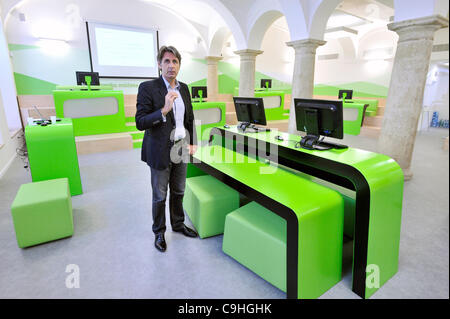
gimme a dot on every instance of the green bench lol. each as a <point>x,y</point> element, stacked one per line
<point>207,201</point>
<point>42,212</point>
<point>256,238</point>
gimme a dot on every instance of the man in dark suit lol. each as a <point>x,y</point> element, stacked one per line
<point>164,111</point>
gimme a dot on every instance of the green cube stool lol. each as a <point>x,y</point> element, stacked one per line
<point>207,201</point>
<point>256,238</point>
<point>42,212</point>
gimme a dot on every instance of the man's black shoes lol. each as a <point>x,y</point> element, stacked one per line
<point>186,231</point>
<point>160,243</point>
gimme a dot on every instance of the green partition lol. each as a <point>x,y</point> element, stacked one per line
<point>272,114</point>
<point>276,113</point>
<point>89,121</point>
<point>372,108</point>
<point>52,153</point>
<point>353,127</point>
<point>205,112</point>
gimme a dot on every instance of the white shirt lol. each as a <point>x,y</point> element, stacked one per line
<point>178,111</point>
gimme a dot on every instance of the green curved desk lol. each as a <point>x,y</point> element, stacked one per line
<point>294,199</point>
<point>352,124</point>
<point>53,154</point>
<point>110,117</point>
<point>211,114</point>
<point>376,179</point>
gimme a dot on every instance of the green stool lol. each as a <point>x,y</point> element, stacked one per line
<point>207,201</point>
<point>256,238</point>
<point>42,212</point>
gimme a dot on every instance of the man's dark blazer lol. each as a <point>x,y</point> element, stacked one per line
<point>157,144</point>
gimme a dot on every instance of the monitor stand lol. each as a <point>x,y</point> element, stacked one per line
<point>313,142</point>
<point>244,125</point>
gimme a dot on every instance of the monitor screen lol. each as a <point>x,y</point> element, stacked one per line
<point>319,117</point>
<point>81,78</point>
<point>250,110</point>
<point>266,83</point>
<point>199,92</point>
<point>348,92</point>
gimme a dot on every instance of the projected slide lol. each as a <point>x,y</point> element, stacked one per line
<point>123,51</point>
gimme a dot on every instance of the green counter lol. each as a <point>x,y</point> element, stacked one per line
<point>92,112</point>
<point>371,109</point>
<point>208,115</point>
<point>53,154</point>
<point>353,117</point>
<point>272,113</point>
<point>376,179</point>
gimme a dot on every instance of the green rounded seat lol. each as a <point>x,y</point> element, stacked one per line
<point>42,212</point>
<point>256,238</point>
<point>207,201</point>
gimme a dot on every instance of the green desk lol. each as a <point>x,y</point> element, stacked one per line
<point>273,105</point>
<point>208,115</point>
<point>372,106</point>
<point>280,191</point>
<point>376,179</point>
<point>53,154</point>
<point>92,112</point>
<point>353,114</point>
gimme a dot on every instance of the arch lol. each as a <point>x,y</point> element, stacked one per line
<point>348,48</point>
<point>379,39</point>
<point>259,27</point>
<point>7,8</point>
<point>218,40</point>
<point>320,18</point>
<point>230,21</point>
<point>296,18</point>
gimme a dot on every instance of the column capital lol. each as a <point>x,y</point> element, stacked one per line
<point>306,43</point>
<point>418,29</point>
<point>213,59</point>
<point>248,52</point>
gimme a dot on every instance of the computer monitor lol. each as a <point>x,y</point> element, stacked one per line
<point>250,111</point>
<point>349,94</point>
<point>199,92</point>
<point>81,78</point>
<point>266,83</point>
<point>319,118</point>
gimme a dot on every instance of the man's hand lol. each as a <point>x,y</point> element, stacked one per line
<point>170,97</point>
<point>192,149</point>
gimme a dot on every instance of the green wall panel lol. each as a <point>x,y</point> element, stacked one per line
<point>27,85</point>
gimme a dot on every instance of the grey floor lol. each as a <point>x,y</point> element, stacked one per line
<point>113,242</point>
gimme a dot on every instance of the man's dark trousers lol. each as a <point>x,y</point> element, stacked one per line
<point>173,176</point>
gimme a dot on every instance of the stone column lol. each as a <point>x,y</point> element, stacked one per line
<point>405,97</point>
<point>212,81</point>
<point>247,72</point>
<point>303,78</point>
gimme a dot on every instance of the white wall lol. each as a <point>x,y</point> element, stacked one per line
<point>7,86</point>
<point>8,108</point>
<point>65,19</point>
